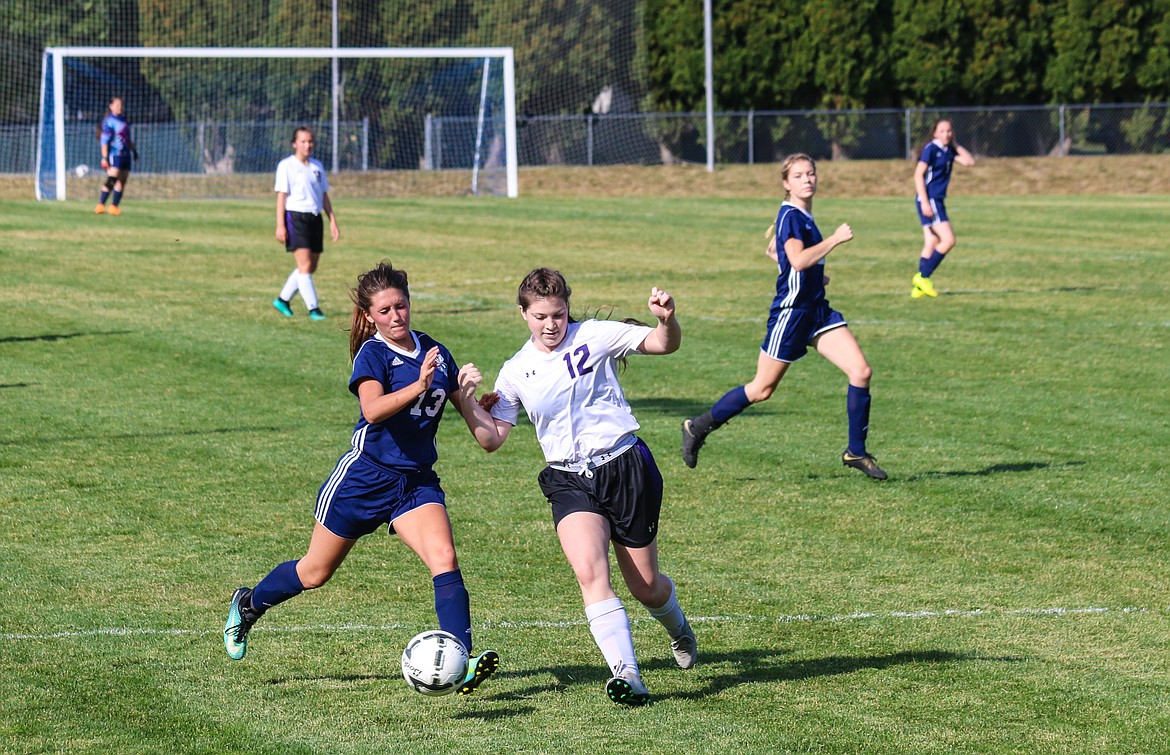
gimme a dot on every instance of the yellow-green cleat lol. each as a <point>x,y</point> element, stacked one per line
<point>922,287</point>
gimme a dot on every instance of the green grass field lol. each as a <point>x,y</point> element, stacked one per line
<point>163,433</point>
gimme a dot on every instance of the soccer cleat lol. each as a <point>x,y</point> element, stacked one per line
<point>479,669</point>
<point>240,619</point>
<point>924,285</point>
<point>100,209</point>
<point>691,443</point>
<point>917,293</point>
<point>115,210</point>
<point>865,463</point>
<point>316,314</point>
<point>282,307</point>
<point>686,650</point>
<point>628,689</point>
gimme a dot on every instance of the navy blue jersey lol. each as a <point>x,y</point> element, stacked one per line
<point>116,134</point>
<point>407,440</point>
<point>796,289</point>
<point>939,161</point>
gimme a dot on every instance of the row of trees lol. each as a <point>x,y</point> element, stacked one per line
<point>576,56</point>
<point>843,54</point>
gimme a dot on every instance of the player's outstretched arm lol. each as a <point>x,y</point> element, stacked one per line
<point>488,432</point>
<point>667,336</point>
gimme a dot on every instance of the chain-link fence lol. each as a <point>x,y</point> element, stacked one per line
<point>770,135</point>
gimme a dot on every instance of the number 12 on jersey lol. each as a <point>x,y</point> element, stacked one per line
<point>582,354</point>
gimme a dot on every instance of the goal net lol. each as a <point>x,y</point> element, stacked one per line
<point>215,121</point>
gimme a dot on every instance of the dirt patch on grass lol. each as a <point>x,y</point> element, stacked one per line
<point>1133,174</point>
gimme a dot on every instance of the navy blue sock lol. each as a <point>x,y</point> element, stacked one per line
<point>105,196</point>
<point>453,606</point>
<point>117,198</point>
<point>732,403</point>
<point>281,584</point>
<point>857,405</point>
<point>930,264</point>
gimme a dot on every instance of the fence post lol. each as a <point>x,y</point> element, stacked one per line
<point>909,154</point>
<point>751,137</point>
<point>589,140</point>
<point>1063,148</point>
<point>428,143</point>
<point>365,144</point>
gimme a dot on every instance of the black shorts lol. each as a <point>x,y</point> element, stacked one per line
<point>304,230</point>
<point>627,491</point>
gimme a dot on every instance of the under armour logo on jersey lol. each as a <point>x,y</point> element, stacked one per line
<point>397,362</point>
<point>529,374</point>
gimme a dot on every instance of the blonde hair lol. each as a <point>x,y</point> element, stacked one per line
<point>791,160</point>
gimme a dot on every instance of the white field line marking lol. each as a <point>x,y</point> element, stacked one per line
<point>790,619</point>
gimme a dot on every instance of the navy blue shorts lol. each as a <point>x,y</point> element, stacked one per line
<point>627,491</point>
<point>940,212</point>
<point>791,331</point>
<point>304,230</point>
<point>121,161</point>
<point>362,495</point>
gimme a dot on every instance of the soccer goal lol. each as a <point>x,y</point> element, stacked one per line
<point>215,121</point>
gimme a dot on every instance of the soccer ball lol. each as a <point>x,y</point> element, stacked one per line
<point>81,170</point>
<point>434,663</point>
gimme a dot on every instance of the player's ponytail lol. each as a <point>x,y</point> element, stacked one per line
<point>382,277</point>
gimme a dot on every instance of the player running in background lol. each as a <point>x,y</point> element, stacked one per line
<point>932,174</point>
<point>302,193</point>
<point>117,149</point>
<point>402,379</point>
<point>601,479</point>
<point>800,317</point>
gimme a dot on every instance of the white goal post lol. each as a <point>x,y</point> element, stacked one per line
<point>52,161</point>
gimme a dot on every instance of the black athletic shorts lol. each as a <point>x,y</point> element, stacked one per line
<point>304,230</point>
<point>626,490</point>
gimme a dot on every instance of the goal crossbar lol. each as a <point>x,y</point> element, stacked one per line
<point>506,54</point>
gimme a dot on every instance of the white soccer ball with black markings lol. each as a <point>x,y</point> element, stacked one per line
<point>81,171</point>
<point>434,663</point>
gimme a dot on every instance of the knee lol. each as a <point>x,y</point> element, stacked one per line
<point>651,594</point>
<point>758,393</point>
<point>860,376</point>
<point>313,576</point>
<point>590,577</point>
<point>442,559</point>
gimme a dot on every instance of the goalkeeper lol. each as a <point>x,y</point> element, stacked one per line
<point>117,148</point>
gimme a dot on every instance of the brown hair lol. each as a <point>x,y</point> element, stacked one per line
<point>791,160</point>
<point>369,283</point>
<point>543,283</point>
<point>298,130</point>
<point>934,128</point>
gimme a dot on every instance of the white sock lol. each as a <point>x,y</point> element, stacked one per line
<point>611,631</point>
<point>669,615</point>
<point>305,286</point>
<point>290,286</point>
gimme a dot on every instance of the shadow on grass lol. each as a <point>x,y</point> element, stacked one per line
<point>51,337</point>
<point>672,407</point>
<point>137,436</point>
<point>994,469</point>
<point>721,671</point>
<point>1027,292</point>
<point>17,385</point>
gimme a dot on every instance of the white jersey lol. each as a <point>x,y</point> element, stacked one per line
<point>572,395</point>
<point>305,185</point>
